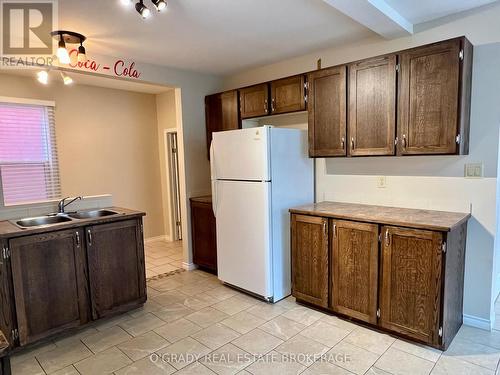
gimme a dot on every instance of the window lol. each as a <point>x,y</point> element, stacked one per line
<point>29,170</point>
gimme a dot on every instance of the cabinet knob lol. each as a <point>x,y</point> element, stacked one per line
<point>89,236</point>
<point>342,143</point>
<point>352,143</point>
<point>273,105</point>
<point>387,238</point>
<point>404,140</point>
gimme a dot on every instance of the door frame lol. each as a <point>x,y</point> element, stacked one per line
<point>174,236</point>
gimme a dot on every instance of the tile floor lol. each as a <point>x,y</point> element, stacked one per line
<point>194,325</point>
<point>162,257</point>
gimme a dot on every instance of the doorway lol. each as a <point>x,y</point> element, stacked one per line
<point>174,185</point>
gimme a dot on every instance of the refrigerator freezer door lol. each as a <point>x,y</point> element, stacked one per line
<point>244,235</point>
<point>241,155</point>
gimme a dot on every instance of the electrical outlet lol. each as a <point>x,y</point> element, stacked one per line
<point>474,170</point>
<point>381,182</point>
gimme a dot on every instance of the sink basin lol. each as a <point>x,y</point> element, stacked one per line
<point>92,214</point>
<point>42,221</point>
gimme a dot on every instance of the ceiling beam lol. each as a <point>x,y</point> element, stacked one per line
<point>377,15</point>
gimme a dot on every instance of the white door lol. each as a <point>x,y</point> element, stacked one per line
<point>242,211</point>
<point>241,155</point>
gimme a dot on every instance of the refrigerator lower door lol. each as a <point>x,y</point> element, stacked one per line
<point>244,235</point>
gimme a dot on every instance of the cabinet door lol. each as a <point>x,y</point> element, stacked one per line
<point>310,259</point>
<point>204,235</point>
<point>354,270</point>
<point>254,101</point>
<point>7,311</point>
<point>288,95</point>
<point>221,113</point>
<point>429,99</point>
<point>50,284</point>
<point>116,267</point>
<point>410,291</point>
<point>372,106</point>
<point>327,112</point>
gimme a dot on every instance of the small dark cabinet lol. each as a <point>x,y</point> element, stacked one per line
<point>288,95</point>
<point>310,259</point>
<point>222,113</point>
<point>204,234</point>
<point>327,112</point>
<point>50,284</point>
<point>116,267</point>
<point>254,101</point>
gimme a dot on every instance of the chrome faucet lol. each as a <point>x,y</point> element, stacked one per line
<point>62,203</point>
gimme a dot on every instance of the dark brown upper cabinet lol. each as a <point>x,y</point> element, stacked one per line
<point>254,101</point>
<point>49,273</point>
<point>117,282</point>
<point>222,113</point>
<point>288,95</point>
<point>372,106</point>
<point>410,298</point>
<point>310,259</point>
<point>327,112</point>
<point>434,98</point>
<point>354,269</point>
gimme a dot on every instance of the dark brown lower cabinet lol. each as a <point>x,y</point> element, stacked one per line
<point>406,281</point>
<point>410,298</point>
<point>7,311</point>
<point>48,302</point>
<point>115,254</point>
<point>355,269</point>
<point>310,259</point>
<point>204,233</point>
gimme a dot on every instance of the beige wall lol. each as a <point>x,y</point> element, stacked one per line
<point>107,143</point>
<point>167,119</point>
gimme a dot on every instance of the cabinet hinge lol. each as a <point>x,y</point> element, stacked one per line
<point>379,237</point>
<point>461,55</point>
<point>397,67</point>
<point>440,332</point>
<point>15,334</point>
<point>305,98</point>
<point>396,140</point>
<point>306,85</point>
<point>5,253</point>
<point>174,150</point>
<point>443,247</point>
<point>458,139</point>
<point>378,313</point>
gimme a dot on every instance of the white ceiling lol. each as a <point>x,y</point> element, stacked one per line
<point>226,36</point>
<point>419,11</point>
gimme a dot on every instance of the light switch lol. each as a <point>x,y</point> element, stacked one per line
<point>474,170</point>
<point>381,182</point>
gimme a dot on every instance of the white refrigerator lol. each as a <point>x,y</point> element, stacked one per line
<point>257,175</point>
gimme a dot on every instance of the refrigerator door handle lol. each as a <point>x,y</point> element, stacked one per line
<point>214,179</point>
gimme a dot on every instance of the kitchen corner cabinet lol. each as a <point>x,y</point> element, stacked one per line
<point>222,113</point>
<point>434,98</point>
<point>327,112</point>
<point>288,95</point>
<point>372,106</point>
<point>204,233</point>
<point>49,302</point>
<point>254,101</point>
<point>115,250</point>
<point>310,259</point>
<point>399,270</point>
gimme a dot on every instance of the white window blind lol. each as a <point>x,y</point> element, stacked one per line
<point>29,170</point>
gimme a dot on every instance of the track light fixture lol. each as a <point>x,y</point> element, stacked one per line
<point>142,9</point>
<point>69,37</point>
<point>67,80</point>
<point>159,4</point>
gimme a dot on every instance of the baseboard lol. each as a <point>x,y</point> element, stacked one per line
<point>157,239</point>
<point>189,266</point>
<point>474,321</point>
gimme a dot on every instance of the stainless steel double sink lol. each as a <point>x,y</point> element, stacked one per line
<point>54,219</point>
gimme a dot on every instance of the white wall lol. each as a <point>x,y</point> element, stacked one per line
<point>435,182</point>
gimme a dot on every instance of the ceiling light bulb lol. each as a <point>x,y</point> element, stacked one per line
<point>62,53</point>
<point>127,2</point>
<point>160,4</point>
<point>43,77</point>
<point>66,79</point>
<point>142,9</point>
<point>82,54</point>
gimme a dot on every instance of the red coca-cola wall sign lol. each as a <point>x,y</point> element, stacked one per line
<point>119,68</point>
